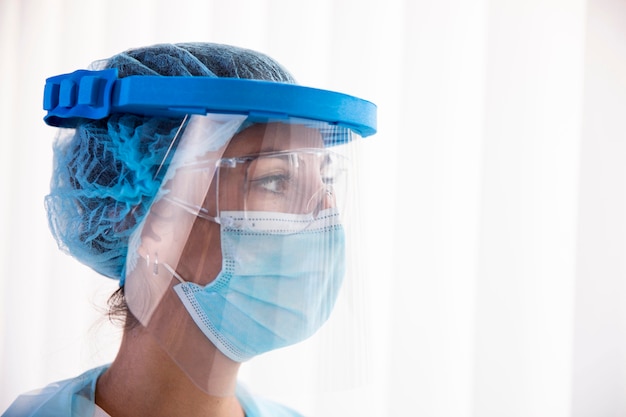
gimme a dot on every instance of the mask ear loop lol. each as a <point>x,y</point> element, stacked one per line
<point>174,273</point>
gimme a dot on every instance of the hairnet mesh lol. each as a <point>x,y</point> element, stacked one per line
<point>104,175</point>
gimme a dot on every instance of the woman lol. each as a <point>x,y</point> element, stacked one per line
<point>216,201</point>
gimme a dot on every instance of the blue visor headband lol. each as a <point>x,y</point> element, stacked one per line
<point>93,95</point>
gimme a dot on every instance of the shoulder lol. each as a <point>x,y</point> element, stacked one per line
<point>70,397</point>
<point>256,406</point>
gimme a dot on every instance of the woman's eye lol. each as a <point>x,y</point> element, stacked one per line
<point>276,184</point>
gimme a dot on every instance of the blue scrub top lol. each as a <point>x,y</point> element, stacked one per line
<point>76,398</point>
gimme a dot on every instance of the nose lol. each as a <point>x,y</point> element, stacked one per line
<point>328,197</point>
<point>323,199</point>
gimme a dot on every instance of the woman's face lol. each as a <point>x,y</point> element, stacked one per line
<point>283,183</point>
<point>281,170</point>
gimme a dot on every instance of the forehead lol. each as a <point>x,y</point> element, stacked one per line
<point>273,137</point>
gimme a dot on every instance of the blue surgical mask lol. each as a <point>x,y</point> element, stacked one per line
<point>275,288</point>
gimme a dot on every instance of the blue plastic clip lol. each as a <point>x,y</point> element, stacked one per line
<point>81,94</point>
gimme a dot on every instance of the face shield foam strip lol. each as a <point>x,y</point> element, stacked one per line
<point>74,97</point>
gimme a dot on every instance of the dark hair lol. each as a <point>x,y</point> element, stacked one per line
<point>119,313</point>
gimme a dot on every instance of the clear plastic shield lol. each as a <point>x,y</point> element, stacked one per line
<point>244,249</point>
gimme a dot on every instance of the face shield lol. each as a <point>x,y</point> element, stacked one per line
<point>244,249</point>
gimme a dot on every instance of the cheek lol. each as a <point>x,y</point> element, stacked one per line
<point>261,200</point>
<point>201,259</point>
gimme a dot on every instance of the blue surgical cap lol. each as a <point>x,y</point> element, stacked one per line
<point>105,171</point>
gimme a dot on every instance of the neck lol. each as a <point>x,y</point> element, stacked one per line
<point>145,381</point>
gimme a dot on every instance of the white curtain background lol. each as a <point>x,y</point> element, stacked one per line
<point>495,196</point>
